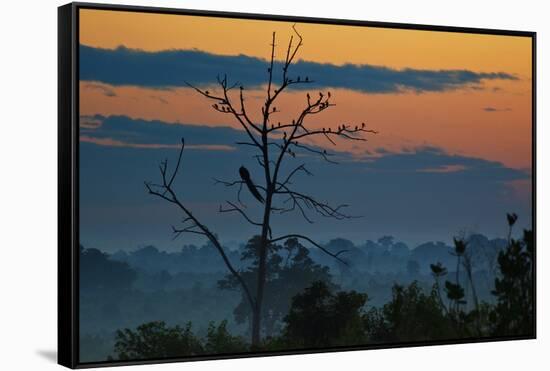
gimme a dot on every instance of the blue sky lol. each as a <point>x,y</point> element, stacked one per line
<point>417,195</point>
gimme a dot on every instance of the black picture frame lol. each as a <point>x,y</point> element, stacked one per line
<point>68,175</point>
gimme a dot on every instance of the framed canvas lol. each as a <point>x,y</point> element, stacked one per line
<point>237,185</point>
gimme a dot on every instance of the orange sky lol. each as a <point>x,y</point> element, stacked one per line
<point>453,120</point>
<point>322,43</point>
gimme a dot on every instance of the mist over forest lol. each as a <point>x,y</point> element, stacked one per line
<point>131,287</point>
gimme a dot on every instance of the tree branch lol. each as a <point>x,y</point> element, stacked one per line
<point>334,255</point>
<point>228,107</point>
<point>235,208</point>
<point>302,167</point>
<point>323,153</point>
<point>166,192</point>
<point>321,208</point>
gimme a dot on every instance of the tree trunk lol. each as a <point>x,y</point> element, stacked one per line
<point>256,323</point>
<point>257,313</point>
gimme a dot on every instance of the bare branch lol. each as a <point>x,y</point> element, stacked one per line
<point>243,107</point>
<point>235,208</point>
<point>270,69</point>
<point>254,145</point>
<point>234,183</point>
<point>298,46</point>
<point>225,102</point>
<point>166,192</point>
<point>205,93</point>
<point>176,169</point>
<point>323,153</point>
<point>322,208</point>
<point>342,131</point>
<point>240,183</point>
<point>190,229</point>
<point>302,167</point>
<point>296,204</point>
<point>334,255</point>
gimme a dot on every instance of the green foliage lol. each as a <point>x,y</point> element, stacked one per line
<point>219,340</point>
<point>512,218</point>
<point>312,313</point>
<point>513,313</point>
<point>290,270</point>
<point>376,327</point>
<point>412,315</point>
<point>438,270</point>
<point>155,340</point>
<point>100,273</point>
<point>460,246</point>
<point>320,318</point>
<point>455,292</point>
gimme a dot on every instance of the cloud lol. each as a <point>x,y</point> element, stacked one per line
<point>172,68</point>
<point>493,109</point>
<point>424,192</point>
<point>417,162</point>
<point>110,142</point>
<point>122,131</point>
<point>102,88</point>
<point>444,169</point>
<point>430,161</point>
<point>160,99</point>
<point>90,122</point>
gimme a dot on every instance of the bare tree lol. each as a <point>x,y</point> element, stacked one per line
<point>274,143</point>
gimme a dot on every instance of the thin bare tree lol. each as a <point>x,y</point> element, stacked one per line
<point>274,143</point>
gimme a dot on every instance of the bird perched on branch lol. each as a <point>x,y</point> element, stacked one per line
<point>245,176</point>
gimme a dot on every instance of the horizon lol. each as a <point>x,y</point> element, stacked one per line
<point>422,176</point>
<point>235,245</point>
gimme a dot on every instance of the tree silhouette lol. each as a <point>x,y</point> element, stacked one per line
<point>513,313</point>
<point>318,318</point>
<point>467,263</point>
<point>290,270</point>
<point>413,315</point>
<point>439,271</point>
<point>274,142</point>
<point>220,341</point>
<point>156,340</point>
<point>100,273</point>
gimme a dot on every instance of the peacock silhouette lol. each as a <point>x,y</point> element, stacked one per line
<point>245,176</point>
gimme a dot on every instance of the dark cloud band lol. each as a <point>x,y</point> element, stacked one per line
<point>172,68</point>
<point>122,131</point>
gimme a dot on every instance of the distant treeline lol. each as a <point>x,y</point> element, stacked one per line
<point>189,296</point>
<point>386,255</point>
